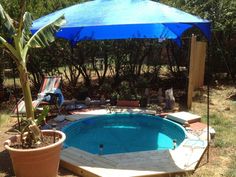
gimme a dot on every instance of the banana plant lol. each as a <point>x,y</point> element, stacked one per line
<point>16,38</point>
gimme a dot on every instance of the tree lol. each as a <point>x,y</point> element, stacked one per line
<point>222,13</point>
<point>17,39</point>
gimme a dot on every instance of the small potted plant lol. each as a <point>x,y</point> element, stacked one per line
<point>29,159</point>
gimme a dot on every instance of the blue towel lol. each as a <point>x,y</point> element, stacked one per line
<point>58,93</point>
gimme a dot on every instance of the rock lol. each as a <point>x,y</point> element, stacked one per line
<point>59,118</point>
<point>87,101</point>
<point>170,99</point>
<point>186,124</point>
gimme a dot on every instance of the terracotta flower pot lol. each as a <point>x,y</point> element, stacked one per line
<point>39,162</point>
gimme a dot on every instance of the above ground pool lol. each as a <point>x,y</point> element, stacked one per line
<point>122,133</point>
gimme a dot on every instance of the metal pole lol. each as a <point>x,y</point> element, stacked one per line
<point>208,121</point>
<point>208,104</point>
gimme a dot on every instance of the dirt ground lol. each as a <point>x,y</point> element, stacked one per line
<point>220,158</point>
<point>6,169</point>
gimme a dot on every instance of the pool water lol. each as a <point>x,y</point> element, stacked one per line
<point>122,133</point>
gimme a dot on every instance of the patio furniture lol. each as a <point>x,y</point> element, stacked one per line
<point>20,107</point>
<point>49,94</point>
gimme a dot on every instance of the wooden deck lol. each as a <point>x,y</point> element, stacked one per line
<point>183,159</point>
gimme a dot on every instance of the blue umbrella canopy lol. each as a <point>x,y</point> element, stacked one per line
<point>123,19</point>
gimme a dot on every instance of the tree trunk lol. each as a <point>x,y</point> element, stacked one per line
<point>24,79</point>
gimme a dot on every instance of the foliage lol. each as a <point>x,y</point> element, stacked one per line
<point>18,40</point>
<point>44,63</point>
<point>223,17</point>
<point>222,13</point>
<point>105,88</point>
<point>38,8</point>
<point>126,92</point>
<point>130,60</point>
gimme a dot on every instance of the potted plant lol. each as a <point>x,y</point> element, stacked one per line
<point>127,96</point>
<point>16,39</point>
<point>34,152</point>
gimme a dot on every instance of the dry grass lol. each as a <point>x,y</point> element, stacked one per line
<point>222,160</point>
<point>4,119</point>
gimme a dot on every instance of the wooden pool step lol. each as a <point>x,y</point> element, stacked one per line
<point>183,117</point>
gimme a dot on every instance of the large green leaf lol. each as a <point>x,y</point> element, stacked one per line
<point>45,35</point>
<point>6,24</point>
<point>27,22</point>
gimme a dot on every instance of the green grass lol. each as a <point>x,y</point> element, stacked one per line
<point>222,147</point>
<point>225,130</point>
<point>232,168</point>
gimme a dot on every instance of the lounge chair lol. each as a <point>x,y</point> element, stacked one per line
<point>20,107</point>
<point>50,91</point>
<point>49,94</point>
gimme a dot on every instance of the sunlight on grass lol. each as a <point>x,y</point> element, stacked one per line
<point>4,117</point>
<point>232,168</point>
<point>223,120</point>
<point>225,131</point>
<point>9,82</point>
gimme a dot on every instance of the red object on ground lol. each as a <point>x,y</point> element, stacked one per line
<point>198,126</point>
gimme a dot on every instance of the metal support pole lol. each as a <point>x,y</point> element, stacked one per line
<point>208,103</point>
<point>208,121</point>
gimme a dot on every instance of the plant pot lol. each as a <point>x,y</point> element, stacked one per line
<point>128,103</point>
<point>143,102</point>
<point>38,162</point>
<point>113,101</point>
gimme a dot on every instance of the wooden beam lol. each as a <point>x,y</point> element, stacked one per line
<point>191,71</point>
<point>200,63</point>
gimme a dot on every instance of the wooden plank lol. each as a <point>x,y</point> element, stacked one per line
<point>77,169</point>
<point>196,67</point>
<point>201,58</point>
<point>97,158</point>
<point>146,163</point>
<point>191,72</point>
<point>86,159</point>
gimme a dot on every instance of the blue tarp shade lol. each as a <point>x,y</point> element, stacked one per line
<point>123,19</point>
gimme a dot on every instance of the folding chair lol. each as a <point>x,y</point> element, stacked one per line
<point>51,86</point>
<point>20,107</point>
<point>49,94</point>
